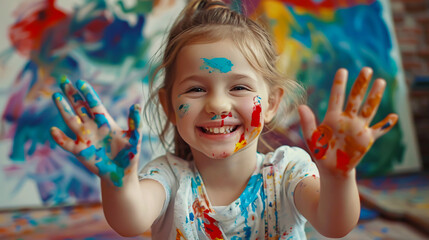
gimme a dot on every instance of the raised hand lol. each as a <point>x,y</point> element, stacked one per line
<point>339,143</point>
<point>101,145</point>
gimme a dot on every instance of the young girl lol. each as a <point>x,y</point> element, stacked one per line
<point>220,88</point>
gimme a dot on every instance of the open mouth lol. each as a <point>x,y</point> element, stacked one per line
<point>219,130</point>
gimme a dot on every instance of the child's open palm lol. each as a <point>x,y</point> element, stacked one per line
<point>342,139</point>
<point>101,145</point>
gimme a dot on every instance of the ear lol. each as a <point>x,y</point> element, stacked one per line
<point>274,100</point>
<point>163,99</point>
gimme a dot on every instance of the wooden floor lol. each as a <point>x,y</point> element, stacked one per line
<point>87,222</point>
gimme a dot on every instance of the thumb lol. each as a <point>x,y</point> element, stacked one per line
<point>307,120</point>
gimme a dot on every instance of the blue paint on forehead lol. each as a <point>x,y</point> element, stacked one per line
<point>222,65</point>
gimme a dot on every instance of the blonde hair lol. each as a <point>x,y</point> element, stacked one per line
<point>205,21</point>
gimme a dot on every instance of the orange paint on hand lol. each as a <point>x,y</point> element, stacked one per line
<point>387,123</point>
<point>319,142</point>
<point>372,103</point>
<point>359,87</point>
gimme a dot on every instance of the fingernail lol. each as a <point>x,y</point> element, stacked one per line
<point>80,84</point>
<point>63,82</point>
<point>57,96</point>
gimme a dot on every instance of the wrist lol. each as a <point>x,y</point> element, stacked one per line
<point>337,174</point>
<point>130,177</point>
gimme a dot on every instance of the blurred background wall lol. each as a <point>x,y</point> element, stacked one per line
<point>411,20</point>
<point>110,43</point>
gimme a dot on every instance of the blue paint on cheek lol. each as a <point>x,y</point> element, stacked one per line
<point>222,65</point>
<point>183,108</point>
<point>191,217</point>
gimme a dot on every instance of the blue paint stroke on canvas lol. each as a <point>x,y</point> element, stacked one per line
<point>75,42</point>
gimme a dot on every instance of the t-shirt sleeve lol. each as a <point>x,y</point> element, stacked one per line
<point>296,164</point>
<point>160,171</point>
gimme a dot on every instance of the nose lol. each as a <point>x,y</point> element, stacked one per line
<point>218,103</point>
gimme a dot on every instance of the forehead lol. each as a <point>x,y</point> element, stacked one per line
<point>221,56</point>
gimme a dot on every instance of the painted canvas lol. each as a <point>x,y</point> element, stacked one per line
<point>316,37</point>
<point>110,43</point>
<point>107,43</point>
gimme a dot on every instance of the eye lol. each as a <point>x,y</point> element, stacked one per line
<point>240,88</point>
<point>195,89</point>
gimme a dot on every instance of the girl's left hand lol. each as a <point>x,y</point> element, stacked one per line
<point>339,143</point>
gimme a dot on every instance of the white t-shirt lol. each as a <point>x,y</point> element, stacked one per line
<point>188,214</point>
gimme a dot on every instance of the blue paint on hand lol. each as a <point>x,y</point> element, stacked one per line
<point>100,119</point>
<point>90,94</point>
<point>88,153</point>
<point>385,126</point>
<point>222,65</point>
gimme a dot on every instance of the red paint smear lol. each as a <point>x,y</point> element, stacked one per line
<point>31,31</point>
<point>211,227</point>
<point>223,116</point>
<point>256,115</point>
<point>241,138</point>
<point>312,5</point>
<point>318,152</point>
<point>343,160</point>
<point>94,31</point>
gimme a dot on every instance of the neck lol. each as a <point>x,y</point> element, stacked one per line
<point>225,179</point>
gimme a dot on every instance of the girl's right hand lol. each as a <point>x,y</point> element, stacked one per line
<point>101,145</point>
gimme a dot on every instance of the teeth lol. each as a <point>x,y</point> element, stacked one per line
<point>221,130</point>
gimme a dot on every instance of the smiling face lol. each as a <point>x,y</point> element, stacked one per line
<point>220,102</point>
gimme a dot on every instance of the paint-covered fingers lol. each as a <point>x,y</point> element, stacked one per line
<point>384,125</point>
<point>336,100</point>
<point>307,120</point>
<point>369,109</point>
<point>75,99</point>
<point>67,113</point>
<point>63,140</point>
<point>93,100</point>
<point>317,138</point>
<point>70,145</point>
<point>135,124</point>
<point>358,91</point>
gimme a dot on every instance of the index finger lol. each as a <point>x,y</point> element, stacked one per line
<point>336,100</point>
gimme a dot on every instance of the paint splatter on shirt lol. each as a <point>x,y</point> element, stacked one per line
<point>188,213</point>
